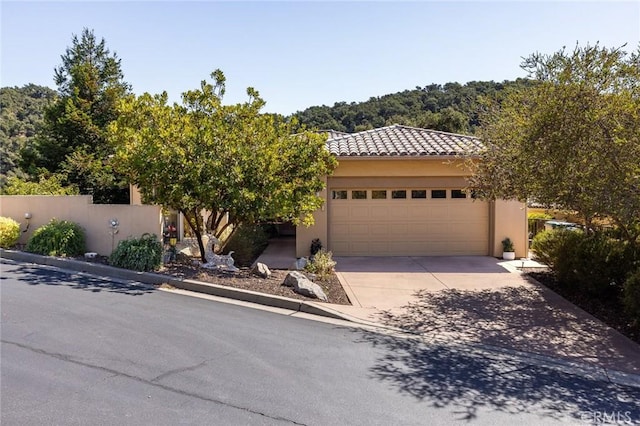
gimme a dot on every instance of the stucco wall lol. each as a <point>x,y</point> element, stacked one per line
<point>509,219</point>
<point>94,218</point>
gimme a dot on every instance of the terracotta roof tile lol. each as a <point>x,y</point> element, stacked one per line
<point>400,140</point>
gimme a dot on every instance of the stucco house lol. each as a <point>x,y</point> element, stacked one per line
<point>399,191</point>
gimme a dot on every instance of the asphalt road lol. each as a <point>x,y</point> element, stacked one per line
<point>80,350</point>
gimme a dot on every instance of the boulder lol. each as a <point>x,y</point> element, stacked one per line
<point>261,270</point>
<point>300,263</point>
<point>302,285</point>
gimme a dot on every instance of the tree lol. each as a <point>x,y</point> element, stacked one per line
<point>21,115</point>
<point>239,165</point>
<point>571,140</point>
<point>73,141</point>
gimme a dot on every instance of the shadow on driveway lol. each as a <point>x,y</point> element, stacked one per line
<point>38,275</point>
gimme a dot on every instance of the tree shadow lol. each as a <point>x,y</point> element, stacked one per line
<point>469,381</point>
<point>527,318</point>
<point>37,275</point>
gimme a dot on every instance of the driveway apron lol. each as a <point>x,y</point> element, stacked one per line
<point>479,299</point>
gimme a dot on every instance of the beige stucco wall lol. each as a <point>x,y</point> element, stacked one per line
<point>134,220</point>
<point>509,219</point>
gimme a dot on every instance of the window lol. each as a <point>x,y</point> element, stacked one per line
<point>398,194</point>
<point>339,195</point>
<point>379,194</point>
<point>418,193</point>
<point>438,193</point>
<point>359,194</point>
<point>458,193</point>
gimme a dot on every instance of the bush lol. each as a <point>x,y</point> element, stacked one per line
<point>596,264</point>
<point>9,232</point>
<point>138,254</point>
<point>322,264</point>
<point>631,295</point>
<point>57,238</point>
<point>247,243</point>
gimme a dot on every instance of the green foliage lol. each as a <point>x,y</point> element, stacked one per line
<point>45,186</point>
<point>138,254</point>
<point>57,238</point>
<point>230,160</point>
<point>247,243</point>
<point>571,140</point>
<point>9,232</point>
<point>21,115</point>
<point>593,263</point>
<point>507,245</point>
<point>322,264</point>
<point>539,216</point>
<point>631,295</point>
<point>450,108</point>
<point>73,141</point>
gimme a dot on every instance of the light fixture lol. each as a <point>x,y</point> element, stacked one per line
<point>27,215</point>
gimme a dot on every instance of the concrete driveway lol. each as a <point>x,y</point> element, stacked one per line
<point>480,299</point>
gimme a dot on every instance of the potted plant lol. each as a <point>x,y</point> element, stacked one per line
<point>508,253</point>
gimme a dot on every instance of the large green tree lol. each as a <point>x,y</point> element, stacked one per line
<point>572,140</point>
<point>73,140</point>
<point>21,116</point>
<point>232,161</point>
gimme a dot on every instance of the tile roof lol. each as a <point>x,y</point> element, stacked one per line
<point>399,141</point>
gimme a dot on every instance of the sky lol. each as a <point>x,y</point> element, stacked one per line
<point>301,54</point>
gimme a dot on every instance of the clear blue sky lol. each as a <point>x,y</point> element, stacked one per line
<point>300,54</point>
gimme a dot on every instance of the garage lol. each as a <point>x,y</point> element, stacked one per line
<point>407,222</point>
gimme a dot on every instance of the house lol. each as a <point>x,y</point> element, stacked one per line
<point>400,191</point>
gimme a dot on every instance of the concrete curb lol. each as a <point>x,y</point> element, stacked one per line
<point>570,367</point>
<point>184,284</point>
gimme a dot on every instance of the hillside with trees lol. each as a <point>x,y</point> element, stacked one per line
<point>451,107</point>
<point>21,117</point>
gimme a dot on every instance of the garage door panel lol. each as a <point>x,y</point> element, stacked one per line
<point>403,227</point>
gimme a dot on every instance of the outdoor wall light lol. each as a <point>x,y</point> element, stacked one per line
<point>114,223</point>
<point>27,215</point>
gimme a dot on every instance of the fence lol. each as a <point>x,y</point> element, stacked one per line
<point>133,220</point>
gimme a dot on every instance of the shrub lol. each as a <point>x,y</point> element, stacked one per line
<point>138,254</point>
<point>9,232</point>
<point>57,238</point>
<point>556,249</point>
<point>507,245</point>
<point>322,264</point>
<point>247,242</point>
<point>631,295</point>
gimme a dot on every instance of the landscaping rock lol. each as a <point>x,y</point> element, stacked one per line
<point>302,285</point>
<point>300,263</point>
<point>261,270</point>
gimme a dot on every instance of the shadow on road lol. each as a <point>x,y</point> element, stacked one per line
<point>468,381</point>
<point>36,275</point>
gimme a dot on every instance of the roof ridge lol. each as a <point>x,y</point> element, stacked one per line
<point>434,131</point>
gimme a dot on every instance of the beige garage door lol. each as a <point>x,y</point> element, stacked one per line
<point>407,222</point>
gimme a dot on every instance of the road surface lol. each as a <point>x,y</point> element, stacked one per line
<point>79,350</point>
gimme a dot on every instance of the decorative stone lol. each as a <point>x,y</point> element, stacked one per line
<point>300,263</point>
<point>90,255</point>
<point>302,285</point>
<point>261,270</point>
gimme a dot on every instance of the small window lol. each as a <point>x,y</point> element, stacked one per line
<point>379,194</point>
<point>458,193</point>
<point>398,194</point>
<point>339,195</point>
<point>418,193</point>
<point>438,193</point>
<point>359,195</point>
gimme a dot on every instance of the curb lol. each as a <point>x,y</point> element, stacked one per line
<point>184,284</point>
<point>567,366</point>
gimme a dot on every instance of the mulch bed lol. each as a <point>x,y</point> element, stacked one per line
<point>246,281</point>
<point>609,312</point>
